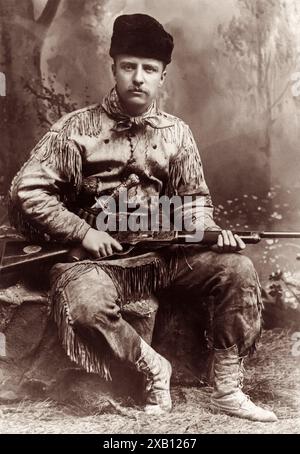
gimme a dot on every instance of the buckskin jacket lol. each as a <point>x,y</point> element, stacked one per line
<point>89,153</point>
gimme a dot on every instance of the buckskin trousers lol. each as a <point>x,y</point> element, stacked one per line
<point>89,298</point>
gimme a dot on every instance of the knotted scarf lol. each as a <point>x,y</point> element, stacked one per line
<point>124,122</point>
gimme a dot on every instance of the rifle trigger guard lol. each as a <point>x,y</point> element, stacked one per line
<point>126,251</point>
<point>116,255</point>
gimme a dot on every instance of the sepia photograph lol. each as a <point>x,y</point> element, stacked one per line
<point>149,219</point>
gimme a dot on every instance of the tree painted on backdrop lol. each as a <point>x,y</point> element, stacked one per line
<point>22,37</point>
<point>259,47</point>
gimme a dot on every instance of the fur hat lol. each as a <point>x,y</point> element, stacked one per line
<point>141,35</point>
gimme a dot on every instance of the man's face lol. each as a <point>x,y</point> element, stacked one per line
<point>138,81</point>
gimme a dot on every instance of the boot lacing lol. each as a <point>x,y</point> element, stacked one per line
<point>149,377</point>
<point>241,376</point>
<point>241,372</point>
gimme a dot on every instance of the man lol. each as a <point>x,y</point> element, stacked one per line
<point>93,152</point>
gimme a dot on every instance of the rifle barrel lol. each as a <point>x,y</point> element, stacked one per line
<point>249,237</point>
<point>211,237</point>
<point>274,235</point>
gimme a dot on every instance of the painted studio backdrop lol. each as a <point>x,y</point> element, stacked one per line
<point>235,78</point>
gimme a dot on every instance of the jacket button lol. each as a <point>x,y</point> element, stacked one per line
<point>106,141</point>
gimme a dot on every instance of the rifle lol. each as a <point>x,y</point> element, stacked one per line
<point>22,253</point>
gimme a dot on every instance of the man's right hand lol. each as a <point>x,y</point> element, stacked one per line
<point>100,244</point>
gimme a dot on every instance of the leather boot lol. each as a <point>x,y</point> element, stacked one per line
<point>228,396</point>
<point>157,371</point>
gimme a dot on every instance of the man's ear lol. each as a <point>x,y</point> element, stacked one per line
<point>162,77</point>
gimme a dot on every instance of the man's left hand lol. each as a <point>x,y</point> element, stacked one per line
<point>228,242</point>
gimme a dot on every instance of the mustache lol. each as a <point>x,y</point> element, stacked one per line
<point>139,90</point>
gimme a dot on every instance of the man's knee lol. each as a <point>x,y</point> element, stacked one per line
<point>92,298</point>
<point>240,269</point>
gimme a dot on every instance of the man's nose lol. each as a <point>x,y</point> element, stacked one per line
<point>138,76</point>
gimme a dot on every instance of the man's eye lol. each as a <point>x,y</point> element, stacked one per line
<point>150,69</point>
<point>127,67</point>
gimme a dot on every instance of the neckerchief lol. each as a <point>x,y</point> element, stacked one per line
<point>124,122</point>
